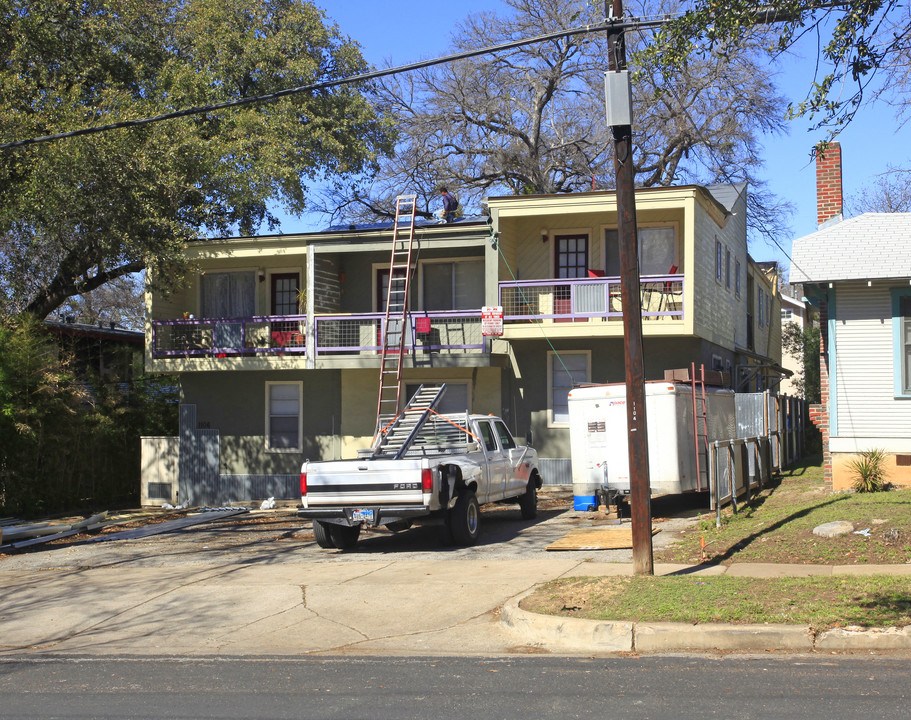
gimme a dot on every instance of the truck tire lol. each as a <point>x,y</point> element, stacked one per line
<point>528,503</point>
<point>321,533</point>
<point>465,519</point>
<point>344,537</point>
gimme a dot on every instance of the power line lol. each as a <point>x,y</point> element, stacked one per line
<point>637,23</point>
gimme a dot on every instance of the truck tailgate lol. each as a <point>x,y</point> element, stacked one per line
<point>374,482</point>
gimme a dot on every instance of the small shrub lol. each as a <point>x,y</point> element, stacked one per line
<point>869,471</point>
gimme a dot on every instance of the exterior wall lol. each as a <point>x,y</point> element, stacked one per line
<point>234,403</point>
<point>866,407</point>
<point>788,361</point>
<point>359,390</point>
<point>187,298</point>
<point>718,313</point>
<point>532,404</point>
<point>843,477</point>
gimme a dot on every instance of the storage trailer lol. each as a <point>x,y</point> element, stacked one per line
<point>682,419</point>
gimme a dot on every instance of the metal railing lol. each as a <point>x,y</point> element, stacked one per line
<point>575,300</point>
<point>452,332</point>
<point>221,337</point>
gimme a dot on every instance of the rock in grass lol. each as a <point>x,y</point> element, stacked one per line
<point>833,529</point>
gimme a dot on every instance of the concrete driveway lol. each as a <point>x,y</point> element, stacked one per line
<point>258,584</point>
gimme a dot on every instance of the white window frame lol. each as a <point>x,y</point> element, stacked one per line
<point>300,417</point>
<point>551,360</point>
<point>737,278</point>
<point>727,268</point>
<point>760,301</point>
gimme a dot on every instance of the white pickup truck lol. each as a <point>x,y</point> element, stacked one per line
<point>446,467</point>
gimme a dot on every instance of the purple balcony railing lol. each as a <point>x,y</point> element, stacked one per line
<point>431,332</point>
<point>222,337</point>
<point>577,300</point>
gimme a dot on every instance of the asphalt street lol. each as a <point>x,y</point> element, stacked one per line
<point>399,688</point>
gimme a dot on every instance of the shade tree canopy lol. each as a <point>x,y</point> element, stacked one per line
<point>80,212</point>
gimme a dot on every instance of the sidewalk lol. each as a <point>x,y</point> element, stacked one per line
<point>377,606</point>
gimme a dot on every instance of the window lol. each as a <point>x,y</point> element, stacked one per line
<point>718,257</point>
<point>453,285</point>
<point>727,269</point>
<point>566,370</point>
<point>506,441</point>
<point>737,278</point>
<point>228,294</point>
<point>456,399</point>
<point>761,302</point>
<point>901,338</point>
<point>786,314</point>
<point>657,251</point>
<point>283,416</point>
<point>487,435</point>
<point>717,363</point>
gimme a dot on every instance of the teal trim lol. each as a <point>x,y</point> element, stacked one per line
<point>833,368</point>
<point>898,342</point>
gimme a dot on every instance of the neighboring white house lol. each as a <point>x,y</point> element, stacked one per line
<point>858,272</point>
<point>801,313</point>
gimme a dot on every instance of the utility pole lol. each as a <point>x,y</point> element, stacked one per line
<point>619,111</point>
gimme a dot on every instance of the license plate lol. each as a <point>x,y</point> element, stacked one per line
<point>362,516</point>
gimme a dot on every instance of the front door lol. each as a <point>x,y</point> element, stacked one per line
<point>285,294</point>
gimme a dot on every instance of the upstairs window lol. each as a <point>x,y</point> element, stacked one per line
<point>228,294</point>
<point>657,251</point>
<point>453,285</point>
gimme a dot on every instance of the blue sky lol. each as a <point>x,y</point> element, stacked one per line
<point>404,31</point>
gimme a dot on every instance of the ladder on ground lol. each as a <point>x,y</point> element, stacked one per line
<point>403,431</point>
<point>700,426</point>
<point>396,313</point>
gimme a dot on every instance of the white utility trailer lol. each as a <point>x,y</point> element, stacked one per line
<point>600,446</point>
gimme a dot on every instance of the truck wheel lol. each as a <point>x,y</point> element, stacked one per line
<point>321,533</point>
<point>344,537</point>
<point>464,519</point>
<point>528,503</point>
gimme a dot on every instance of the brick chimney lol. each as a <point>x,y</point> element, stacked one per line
<point>828,184</point>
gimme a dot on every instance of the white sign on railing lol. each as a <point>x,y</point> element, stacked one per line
<point>492,320</point>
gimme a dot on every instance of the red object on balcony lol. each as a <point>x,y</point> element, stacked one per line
<point>422,325</point>
<point>596,273</point>
<point>281,338</point>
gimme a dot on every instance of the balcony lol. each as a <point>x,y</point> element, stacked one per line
<point>578,300</point>
<point>446,333</point>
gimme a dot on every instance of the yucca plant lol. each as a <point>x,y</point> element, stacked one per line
<point>869,470</point>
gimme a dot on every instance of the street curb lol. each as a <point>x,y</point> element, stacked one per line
<point>607,636</point>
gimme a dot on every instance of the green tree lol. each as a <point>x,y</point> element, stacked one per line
<point>855,42</point>
<point>79,212</point>
<point>803,345</point>
<point>67,439</point>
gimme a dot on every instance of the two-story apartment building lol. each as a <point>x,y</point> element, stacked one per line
<point>277,338</point>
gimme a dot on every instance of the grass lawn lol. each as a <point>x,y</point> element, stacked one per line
<point>775,526</point>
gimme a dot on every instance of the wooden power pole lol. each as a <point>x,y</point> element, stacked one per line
<point>619,112</point>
